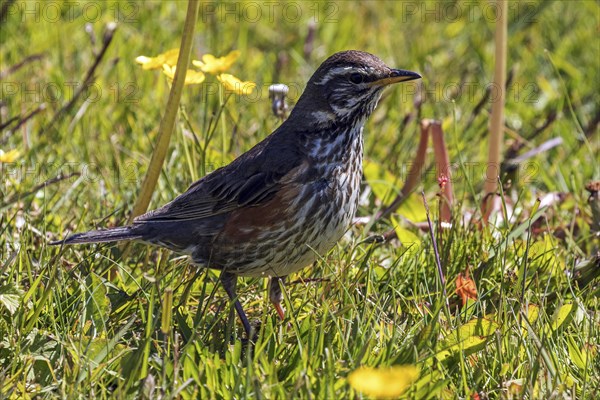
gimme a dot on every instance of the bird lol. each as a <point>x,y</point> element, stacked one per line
<point>279,206</point>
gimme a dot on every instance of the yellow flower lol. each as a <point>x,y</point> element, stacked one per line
<point>214,65</point>
<point>8,157</point>
<point>169,57</point>
<point>383,382</point>
<point>233,84</point>
<point>192,77</point>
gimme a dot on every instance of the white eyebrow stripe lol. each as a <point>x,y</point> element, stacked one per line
<point>331,73</point>
<point>339,70</point>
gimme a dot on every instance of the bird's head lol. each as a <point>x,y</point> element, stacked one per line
<point>347,86</point>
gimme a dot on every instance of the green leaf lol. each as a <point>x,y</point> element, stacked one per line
<point>578,357</point>
<point>381,181</point>
<point>408,239</point>
<point>532,314</point>
<point>97,306</point>
<point>102,348</point>
<point>413,208</point>
<point>562,315</point>
<point>543,252</point>
<point>10,297</point>
<point>429,386</point>
<point>470,337</point>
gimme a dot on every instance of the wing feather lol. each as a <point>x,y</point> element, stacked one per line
<point>250,180</point>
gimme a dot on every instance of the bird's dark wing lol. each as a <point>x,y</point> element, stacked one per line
<point>253,178</point>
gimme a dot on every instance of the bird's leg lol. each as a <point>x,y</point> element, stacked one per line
<point>275,294</point>
<point>229,282</point>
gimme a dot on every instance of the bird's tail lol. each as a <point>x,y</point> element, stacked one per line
<point>102,236</point>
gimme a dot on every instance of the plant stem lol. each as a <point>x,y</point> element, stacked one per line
<point>167,123</point>
<point>222,122</point>
<point>497,120</point>
<point>438,262</point>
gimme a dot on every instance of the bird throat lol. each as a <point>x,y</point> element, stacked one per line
<point>337,145</point>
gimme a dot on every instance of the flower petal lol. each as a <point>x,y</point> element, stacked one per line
<point>9,156</point>
<point>383,382</point>
<point>214,65</point>
<point>192,77</point>
<point>235,85</point>
<point>169,57</point>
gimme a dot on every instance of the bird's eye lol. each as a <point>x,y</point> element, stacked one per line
<point>356,78</point>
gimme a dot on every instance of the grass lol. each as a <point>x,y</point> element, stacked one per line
<point>161,326</point>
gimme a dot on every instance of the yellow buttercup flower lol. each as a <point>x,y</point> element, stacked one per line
<point>383,383</point>
<point>233,84</point>
<point>169,57</point>
<point>9,156</point>
<point>214,65</point>
<point>192,77</point>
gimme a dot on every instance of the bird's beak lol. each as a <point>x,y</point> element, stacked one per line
<point>395,76</point>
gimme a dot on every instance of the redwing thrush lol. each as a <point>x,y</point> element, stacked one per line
<point>278,206</point>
